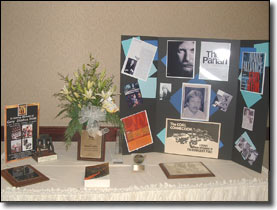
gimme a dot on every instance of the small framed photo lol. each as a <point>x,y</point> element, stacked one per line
<point>185,170</point>
<point>195,102</point>
<point>165,91</point>
<point>91,148</point>
<point>180,59</point>
<point>23,175</point>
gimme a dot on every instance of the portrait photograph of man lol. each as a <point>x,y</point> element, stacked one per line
<point>195,101</point>
<point>180,59</point>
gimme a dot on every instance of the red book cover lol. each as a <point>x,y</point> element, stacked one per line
<point>137,131</point>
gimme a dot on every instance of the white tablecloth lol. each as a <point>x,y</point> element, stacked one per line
<point>232,182</point>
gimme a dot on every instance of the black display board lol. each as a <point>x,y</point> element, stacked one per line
<point>230,119</point>
<point>21,130</point>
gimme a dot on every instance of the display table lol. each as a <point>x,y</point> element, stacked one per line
<point>232,182</point>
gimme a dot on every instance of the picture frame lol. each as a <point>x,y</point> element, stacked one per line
<point>23,175</point>
<point>175,170</point>
<point>21,129</point>
<point>195,103</point>
<point>181,56</point>
<point>89,148</point>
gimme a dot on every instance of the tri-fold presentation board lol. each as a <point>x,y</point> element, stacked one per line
<point>198,97</point>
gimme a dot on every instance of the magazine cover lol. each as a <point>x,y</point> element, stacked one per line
<point>214,61</point>
<point>192,138</point>
<point>137,131</point>
<point>252,72</point>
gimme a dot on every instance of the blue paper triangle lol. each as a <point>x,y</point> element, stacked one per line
<point>220,144</point>
<point>161,135</point>
<point>164,60</point>
<point>175,100</point>
<point>250,98</point>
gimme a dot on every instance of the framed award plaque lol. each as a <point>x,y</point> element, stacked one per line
<point>91,148</point>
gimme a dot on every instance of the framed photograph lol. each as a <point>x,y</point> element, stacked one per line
<point>165,91</point>
<point>23,175</point>
<point>252,72</point>
<point>180,59</point>
<point>192,138</point>
<point>139,59</point>
<point>137,131</point>
<point>195,102</point>
<point>21,129</point>
<point>133,95</point>
<point>185,170</point>
<point>91,148</point>
<point>214,61</point>
<point>248,118</point>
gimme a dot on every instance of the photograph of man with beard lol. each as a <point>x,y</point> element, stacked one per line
<point>180,59</point>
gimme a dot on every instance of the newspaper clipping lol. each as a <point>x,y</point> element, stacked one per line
<point>139,59</point>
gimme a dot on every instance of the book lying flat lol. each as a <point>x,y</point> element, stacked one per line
<point>97,176</point>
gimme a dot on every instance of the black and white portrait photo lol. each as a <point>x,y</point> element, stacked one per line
<point>195,101</point>
<point>165,91</point>
<point>130,66</point>
<point>180,59</point>
<point>248,118</point>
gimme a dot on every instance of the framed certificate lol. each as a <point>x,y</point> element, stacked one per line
<point>91,148</point>
<point>23,175</point>
<point>185,170</point>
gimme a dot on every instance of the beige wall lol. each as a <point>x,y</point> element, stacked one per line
<point>40,39</point>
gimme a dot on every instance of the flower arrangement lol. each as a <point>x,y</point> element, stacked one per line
<point>87,100</point>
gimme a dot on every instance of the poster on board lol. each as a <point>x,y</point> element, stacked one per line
<point>214,61</point>
<point>192,138</point>
<point>252,73</point>
<point>137,131</point>
<point>21,130</point>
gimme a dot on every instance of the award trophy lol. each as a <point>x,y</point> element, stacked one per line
<point>117,154</point>
<point>45,149</point>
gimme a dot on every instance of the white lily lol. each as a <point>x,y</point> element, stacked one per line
<point>65,90</point>
<point>88,94</point>
<point>106,95</point>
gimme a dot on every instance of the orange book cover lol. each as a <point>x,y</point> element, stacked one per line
<point>137,131</point>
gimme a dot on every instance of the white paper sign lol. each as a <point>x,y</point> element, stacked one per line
<point>214,61</point>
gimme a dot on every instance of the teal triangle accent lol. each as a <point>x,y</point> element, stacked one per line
<point>126,44</point>
<point>161,135</point>
<point>152,71</point>
<point>250,98</point>
<point>148,88</point>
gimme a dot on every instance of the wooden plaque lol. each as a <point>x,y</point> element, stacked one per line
<point>185,170</point>
<point>23,175</point>
<point>90,148</point>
